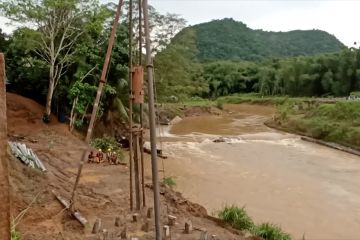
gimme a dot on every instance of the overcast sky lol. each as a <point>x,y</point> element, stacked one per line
<point>340,18</point>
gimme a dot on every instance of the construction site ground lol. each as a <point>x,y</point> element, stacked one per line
<point>103,190</point>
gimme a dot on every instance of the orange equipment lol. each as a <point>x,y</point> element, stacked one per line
<point>138,84</point>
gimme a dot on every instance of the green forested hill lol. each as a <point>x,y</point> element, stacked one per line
<point>228,39</point>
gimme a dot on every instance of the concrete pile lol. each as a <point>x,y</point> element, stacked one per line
<point>26,155</point>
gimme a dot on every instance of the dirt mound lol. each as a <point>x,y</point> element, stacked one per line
<point>24,115</point>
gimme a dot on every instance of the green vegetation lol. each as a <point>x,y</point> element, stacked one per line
<point>236,217</point>
<point>205,61</point>
<point>182,71</point>
<point>336,122</point>
<point>239,219</point>
<point>177,71</point>
<point>253,98</point>
<point>228,39</point>
<point>269,231</point>
<point>66,80</point>
<point>108,144</point>
<point>335,74</point>
<point>14,234</point>
<point>169,181</point>
<point>355,94</point>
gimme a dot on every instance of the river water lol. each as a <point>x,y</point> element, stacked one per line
<point>307,189</point>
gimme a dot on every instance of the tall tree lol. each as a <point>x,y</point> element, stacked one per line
<point>58,23</point>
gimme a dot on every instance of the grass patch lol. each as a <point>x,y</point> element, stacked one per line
<point>236,217</point>
<point>239,219</point>
<point>106,144</point>
<point>169,181</point>
<point>337,122</point>
<point>14,234</point>
<point>269,231</point>
<point>252,98</point>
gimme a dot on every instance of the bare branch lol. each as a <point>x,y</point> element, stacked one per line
<point>88,73</point>
<point>42,54</point>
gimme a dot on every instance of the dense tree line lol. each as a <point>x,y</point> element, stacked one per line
<point>182,73</point>
<point>55,56</point>
<point>317,63</point>
<point>323,75</point>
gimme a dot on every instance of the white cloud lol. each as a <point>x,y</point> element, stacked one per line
<point>4,25</point>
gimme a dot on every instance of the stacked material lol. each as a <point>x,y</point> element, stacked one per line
<point>26,155</point>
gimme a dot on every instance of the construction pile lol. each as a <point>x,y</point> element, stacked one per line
<point>26,155</point>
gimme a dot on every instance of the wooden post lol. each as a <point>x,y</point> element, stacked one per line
<point>97,226</point>
<point>188,227</point>
<point>171,220</point>
<point>149,212</point>
<point>4,173</point>
<point>117,222</point>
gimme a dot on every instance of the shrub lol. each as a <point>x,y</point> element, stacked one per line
<point>169,181</point>
<point>14,234</point>
<point>269,231</point>
<point>236,217</point>
<point>106,143</point>
<point>219,105</point>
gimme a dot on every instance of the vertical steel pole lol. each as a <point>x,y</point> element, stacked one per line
<point>104,72</point>
<point>4,173</point>
<point>131,99</point>
<point>141,111</point>
<point>140,31</point>
<point>154,164</point>
<point>137,175</point>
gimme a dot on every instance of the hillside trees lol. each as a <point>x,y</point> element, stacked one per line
<point>177,71</point>
<point>26,71</point>
<point>59,23</point>
<point>228,39</point>
<point>335,74</point>
<point>79,60</point>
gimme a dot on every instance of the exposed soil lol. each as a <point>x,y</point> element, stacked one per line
<point>102,193</point>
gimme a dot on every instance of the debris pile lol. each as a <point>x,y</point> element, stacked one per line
<point>26,155</point>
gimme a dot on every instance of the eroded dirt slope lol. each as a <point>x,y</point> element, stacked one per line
<point>103,190</point>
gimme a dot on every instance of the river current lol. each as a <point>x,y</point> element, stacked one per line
<point>307,189</point>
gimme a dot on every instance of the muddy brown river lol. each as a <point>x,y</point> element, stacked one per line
<point>307,189</point>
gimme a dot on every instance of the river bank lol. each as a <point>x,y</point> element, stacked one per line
<point>308,189</point>
<point>331,122</point>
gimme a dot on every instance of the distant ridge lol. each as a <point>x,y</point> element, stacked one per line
<point>228,39</point>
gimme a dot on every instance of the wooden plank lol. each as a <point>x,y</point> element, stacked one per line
<point>4,172</point>
<point>76,214</point>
